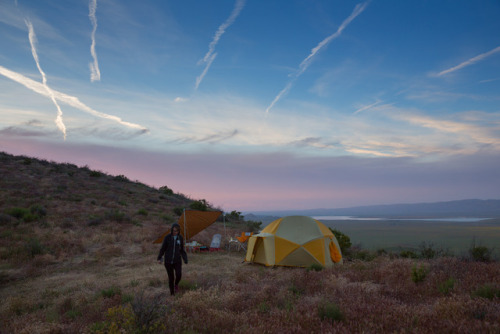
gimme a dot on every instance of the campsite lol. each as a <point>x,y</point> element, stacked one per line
<point>77,255</point>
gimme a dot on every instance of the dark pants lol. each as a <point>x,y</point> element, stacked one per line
<point>177,267</point>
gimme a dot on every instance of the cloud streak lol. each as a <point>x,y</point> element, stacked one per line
<point>32,38</point>
<point>469,62</point>
<point>307,61</point>
<point>69,100</point>
<point>210,55</point>
<point>95,73</point>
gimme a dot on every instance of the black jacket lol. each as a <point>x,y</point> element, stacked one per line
<point>173,251</point>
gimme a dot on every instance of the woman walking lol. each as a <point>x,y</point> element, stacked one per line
<point>172,249</point>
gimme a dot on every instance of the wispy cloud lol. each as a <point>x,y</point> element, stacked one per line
<point>32,38</point>
<point>68,99</point>
<point>95,73</point>
<point>211,138</point>
<point>210,55</point>
<point>470,61</point>
<point>307,61</point>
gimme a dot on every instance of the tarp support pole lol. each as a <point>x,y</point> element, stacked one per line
<point>224,221</point>
<point>185,226</point>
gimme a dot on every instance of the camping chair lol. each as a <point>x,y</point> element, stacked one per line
<point>215,245</point>
<point>243,239</point>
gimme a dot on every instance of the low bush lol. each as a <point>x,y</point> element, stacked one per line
<point>330,311</point>
<point>487,291</point>
<point>418,274</point>
<point>148,312</point>
<point>17,212</point>
<point>430,251</point>
<point>447,286</point>
<point>95,173</point>
<point>407,254</point>
<point>34,247</point>
<point>111,292</point>
<point>201,205</point>
<point>362,254</point>
<point>142,212</point>
<point>480,253</point>
<point>315,267</point>
<point>166,190</point>
<point>343,240</point>
<point>121,178</point>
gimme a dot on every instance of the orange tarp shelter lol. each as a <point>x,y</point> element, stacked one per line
<point>193,222</point>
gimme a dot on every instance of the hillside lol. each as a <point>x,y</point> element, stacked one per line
<point>54,212</point>
<point>76,257</point>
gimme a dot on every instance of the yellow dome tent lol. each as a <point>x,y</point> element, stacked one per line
<point>296,241</point>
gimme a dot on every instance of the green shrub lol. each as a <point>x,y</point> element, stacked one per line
<point>330,311</point>
<point>200,205</point>
<point>30,217</point>
<point>34,247</point>
<point>187,285</point>
<point>117,216</point>
<point>487,291</point>
<point>148,313</point>
<point>111,292</point>
<point>263,307</point>
<point>178,211</point>
<point>343,240</point>
<point>480,253</point>
<point>447,286</point>
<point>95,220</point>
<point>428,250</point>
<point>17,212</point>
<point>166,190</point>
<point>95,173</point>
<point>295,290</point>
<point>363,255</point>
<point>167,219</point>
<point>142,212</point>
<point>72,314</point>
<point>418,274</point>
<point>408,254</point>
<point>121,178</point>
<point>315,267</point>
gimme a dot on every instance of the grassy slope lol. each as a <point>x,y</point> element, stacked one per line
<point>89,266</point>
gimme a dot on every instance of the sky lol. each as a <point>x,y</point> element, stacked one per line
<point>260,105</point>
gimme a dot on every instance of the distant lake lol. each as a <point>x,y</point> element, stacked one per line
<point>455,219</point>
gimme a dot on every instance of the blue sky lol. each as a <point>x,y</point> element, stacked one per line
<point>260,105</point>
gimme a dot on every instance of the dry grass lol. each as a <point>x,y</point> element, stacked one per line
<point>88,266</point>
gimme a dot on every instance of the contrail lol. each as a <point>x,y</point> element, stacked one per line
<point>366,107</point>
<point>470,61</point>
<point>69,100</point>
<point>210,56</point>
<point>307,61</point>
<point>95,73</point>
<point>32,38</point>
<point>202,75</point>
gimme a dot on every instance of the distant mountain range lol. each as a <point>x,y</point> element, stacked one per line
<point>462,208</point>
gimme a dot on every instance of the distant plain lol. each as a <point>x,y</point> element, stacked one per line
<point>393,235</point>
